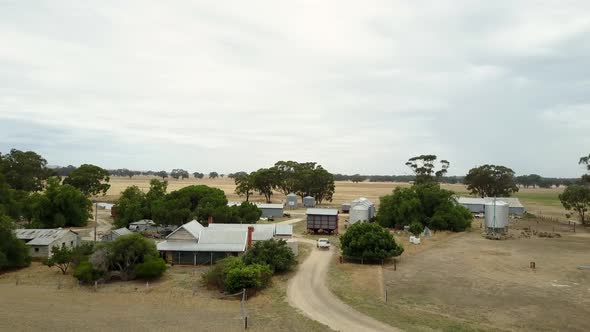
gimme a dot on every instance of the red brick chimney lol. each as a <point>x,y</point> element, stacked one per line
<point>210,220</point>
<point>250,231</point>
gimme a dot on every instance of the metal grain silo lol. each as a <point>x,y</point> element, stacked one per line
<point>362,201</point>
<point>358,213</point>
<point>496,216</point>
<point>308,201</point>
<point>292,200</point>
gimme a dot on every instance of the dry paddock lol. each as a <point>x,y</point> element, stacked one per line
<point>463,282</point>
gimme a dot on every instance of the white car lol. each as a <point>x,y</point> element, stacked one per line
<point>323,243</point>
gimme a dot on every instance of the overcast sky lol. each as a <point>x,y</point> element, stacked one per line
<point>360,88</point>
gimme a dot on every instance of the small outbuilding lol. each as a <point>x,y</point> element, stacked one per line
<point>143,225</point>
<point>41,241</point>
<point>308,201</point>
<point>283,231</point>
<point>113,234</point>
<point>271,210</point>
<point>345,208</point>
<point>322,219</point>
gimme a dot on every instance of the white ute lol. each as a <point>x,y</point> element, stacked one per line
<point>323,243</point>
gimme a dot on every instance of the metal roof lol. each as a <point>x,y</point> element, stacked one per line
<point>261,232</point>
<point>283,229</point>
<point>122,231</point>
<point>193,227</point>
<point>270,206</point>
<point>512,201</point>
<point>322,212</point>
<point>143,222</point>
<point>177,246</point>
<point>292,195</point>
<point>41,237</point>
<point>222,240</point>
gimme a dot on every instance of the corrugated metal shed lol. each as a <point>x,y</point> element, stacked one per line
<point>122,231</point>
<point>322,212</point>
<point>41,237</point>
<point>261,232</point>
<point>213,240</point>
<point>269,206</point>
<point>476,204</point>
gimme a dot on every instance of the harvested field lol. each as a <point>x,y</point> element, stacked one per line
<point>463,282</point>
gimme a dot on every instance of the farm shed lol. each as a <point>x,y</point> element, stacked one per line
<point>271,210</point>
<point>113,234</point>
<point>324,219</point>
<point>40,241</point>
<point>292,201</point>
<point>477,204</point>
<point>180,246</point>
<point>345,208</point>
<point>308,201</point>
<point>142,225</point>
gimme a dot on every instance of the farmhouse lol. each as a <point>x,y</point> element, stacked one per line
<point>271,210</point>
<point>180,246</point>
<point>215,244</point>
<point>114,234</point>
<point>262,232</point>
<point>322,219</point>
<point>477,204</point>
<point>41,241</point>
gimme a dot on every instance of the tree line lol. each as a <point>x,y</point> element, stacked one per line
<point>303,179</point>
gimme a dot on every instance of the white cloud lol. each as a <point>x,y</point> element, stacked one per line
<point>357,87</point>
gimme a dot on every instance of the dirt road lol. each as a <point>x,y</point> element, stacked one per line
<point>307,291</point>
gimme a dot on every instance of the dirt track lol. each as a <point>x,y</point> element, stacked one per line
<point>307,291</point>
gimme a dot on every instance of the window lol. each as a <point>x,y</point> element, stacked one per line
<point>72,243</point>
<point>36,249</point>
<point>63,244</point>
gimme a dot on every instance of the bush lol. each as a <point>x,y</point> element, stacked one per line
<point>369,241</point>
<point>416,228</point>
<point>254,276</point>
<point>152,267</point>
<point>276,254</point>
<point>427,204</point>
<point>232,275</point>
<point>13,252</point>
<point>86,273</point>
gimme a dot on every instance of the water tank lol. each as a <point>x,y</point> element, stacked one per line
<point>308,201</point>
<point>496,216</point>
<point>291,200</point>
<point>358,213</point>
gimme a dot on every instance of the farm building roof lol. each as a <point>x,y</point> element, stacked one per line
<point>270,206</point>
<point>143,222</point>
<point>512,201</point>
<point>193,227</point>
<point>284,229</point>
<point>177,246</point>
<point>322,212</point>
<point>261,232</point>
<point>41,237</point>
<point>122,231</point>
<point>222,240</point>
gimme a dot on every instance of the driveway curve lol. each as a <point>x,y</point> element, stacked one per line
<point>307,291</point>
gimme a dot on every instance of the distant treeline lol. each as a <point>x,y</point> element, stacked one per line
<point>526,181</point>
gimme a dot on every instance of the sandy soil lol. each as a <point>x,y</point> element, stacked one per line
<point>307,291</point>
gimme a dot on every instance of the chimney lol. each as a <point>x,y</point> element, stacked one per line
<point>210,220</point>
<point>250,231</point>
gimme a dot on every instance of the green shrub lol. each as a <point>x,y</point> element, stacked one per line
<point>254,276</point>
<point>152,267</point>
<point>369,241</point>
<point>416,228</point>
<point>276,254</point>
<point>86,273</point>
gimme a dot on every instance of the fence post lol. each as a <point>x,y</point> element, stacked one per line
<point>386,295</point>
<point>394,264</point>
<point>246,323</point>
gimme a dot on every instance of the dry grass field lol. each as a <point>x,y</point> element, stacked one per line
<point>37,304</point>
<point>463,282</point>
